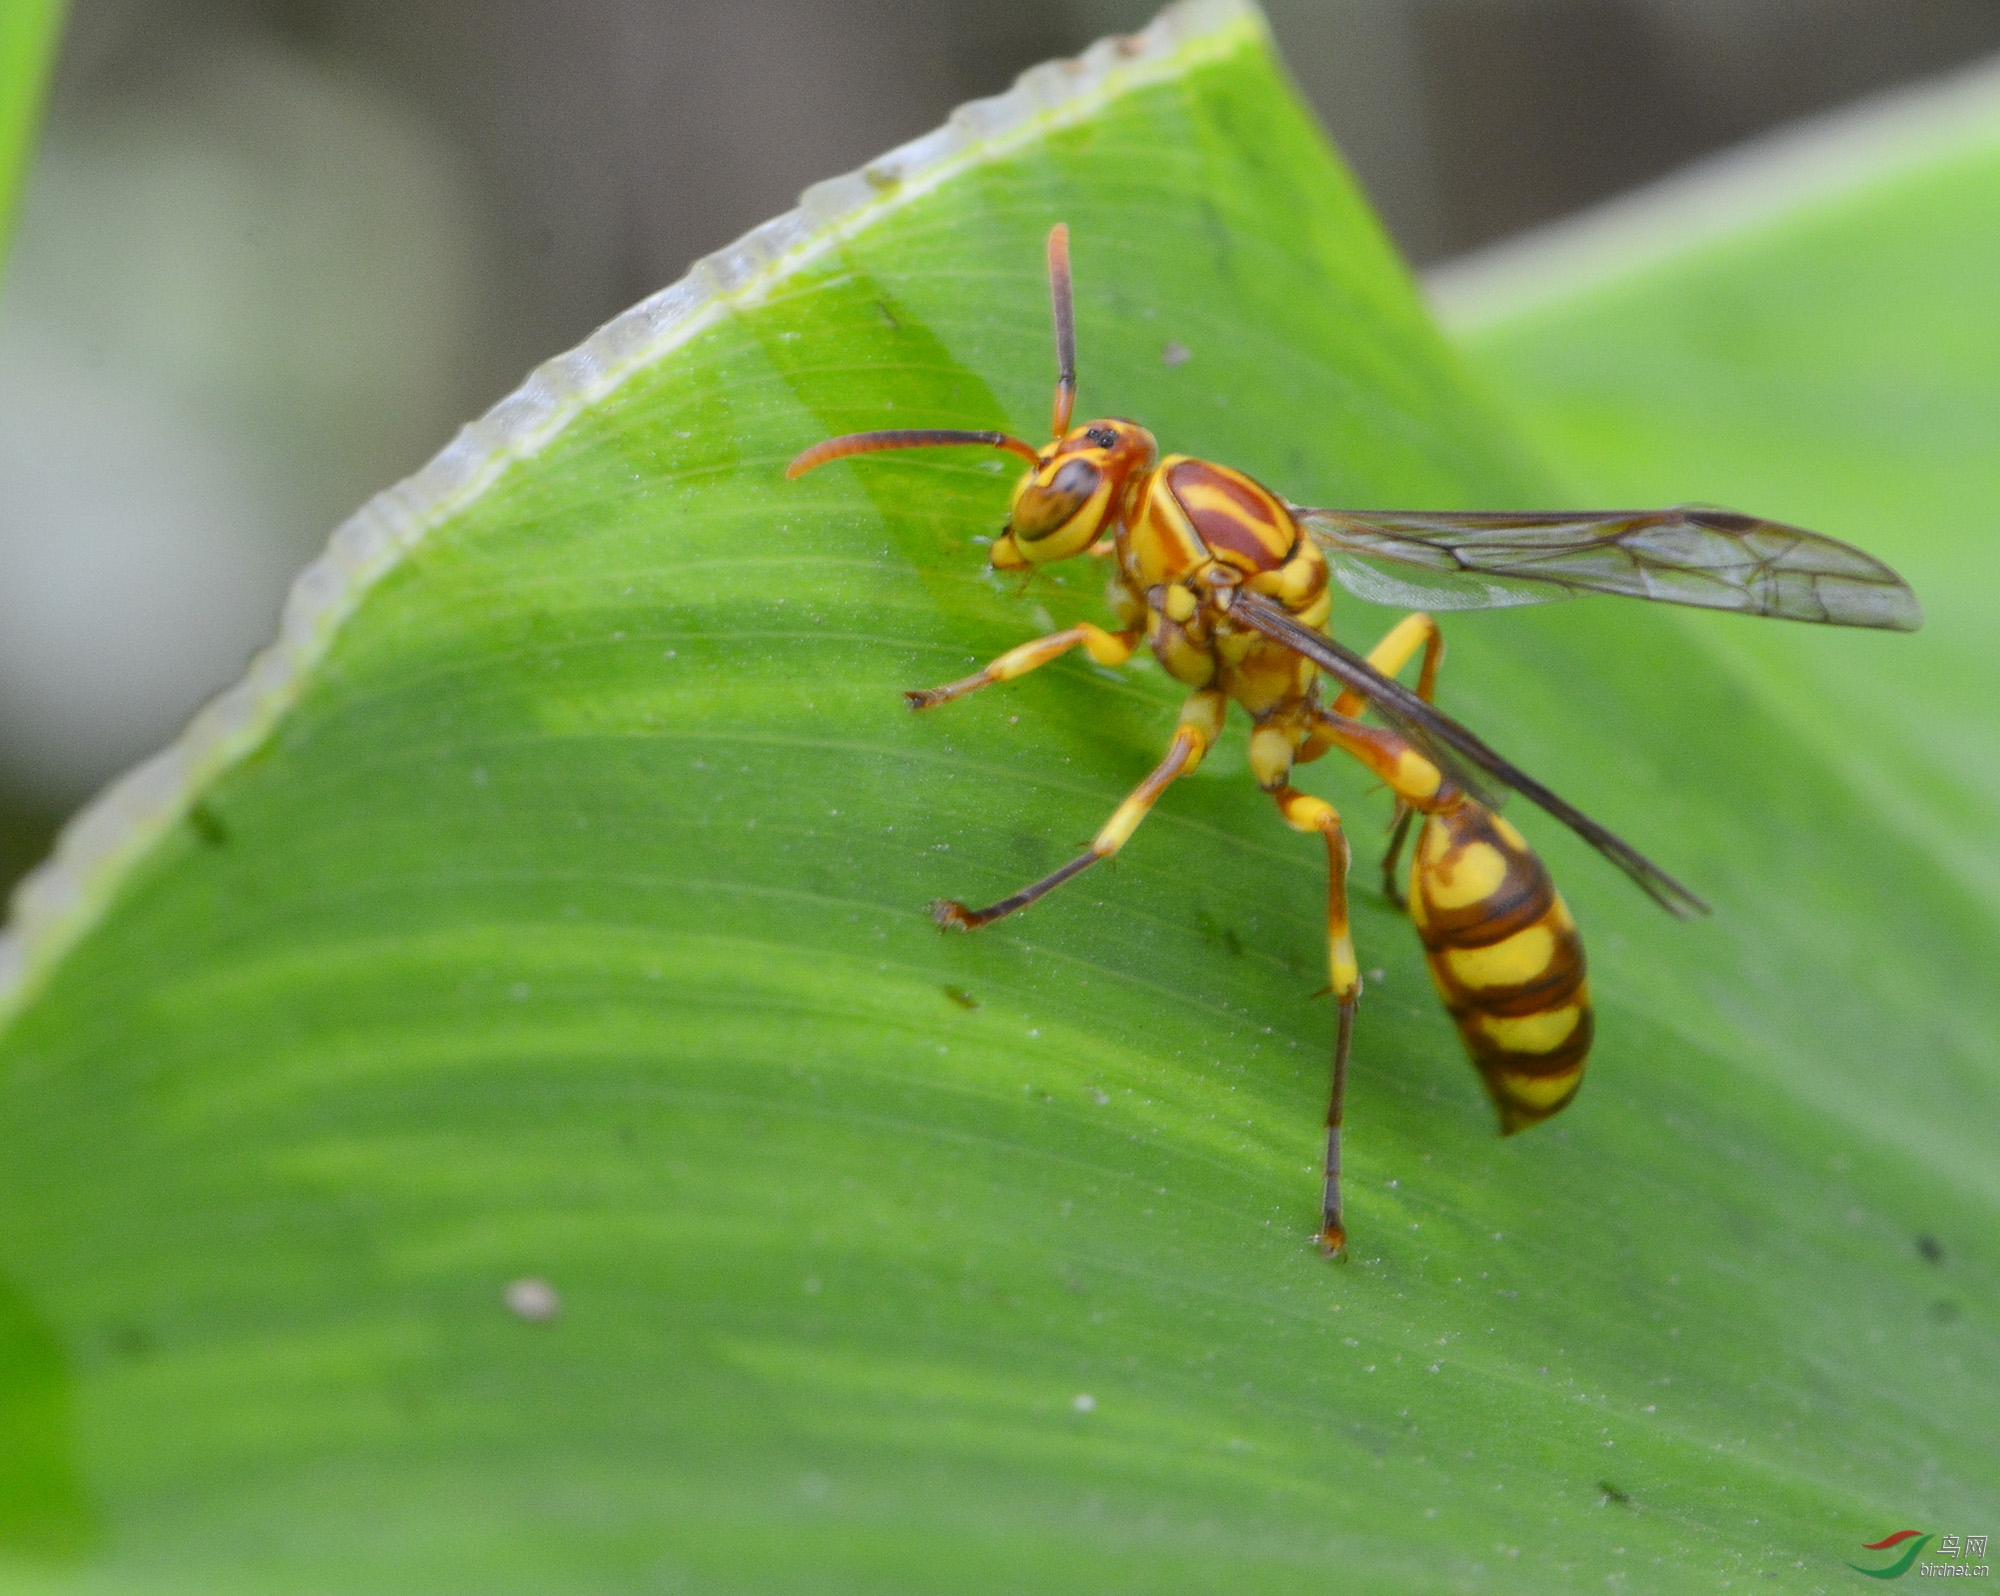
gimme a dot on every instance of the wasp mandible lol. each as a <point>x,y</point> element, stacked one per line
<point>1227,583</point>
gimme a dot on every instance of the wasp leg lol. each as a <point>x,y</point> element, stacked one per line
<point>1303,812</point>
<point>1389,656</point>
<point>1201,724</point>
<point>1107,648</point>
<point>1399,831</point>
<point>1398,646</point>
<point>1417,783</point>
<point>1274,747</point>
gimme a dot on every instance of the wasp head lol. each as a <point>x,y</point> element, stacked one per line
<point>1074,493</point>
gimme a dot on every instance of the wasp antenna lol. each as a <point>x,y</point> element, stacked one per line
<point>1065,308</point>
<point>906,438</point>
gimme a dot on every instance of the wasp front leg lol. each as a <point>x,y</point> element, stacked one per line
<point>1201,724</point>
<point>1389,656</point>
<point>1107,648</point>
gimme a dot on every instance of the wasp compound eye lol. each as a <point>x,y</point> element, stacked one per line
<point>1041,509</point>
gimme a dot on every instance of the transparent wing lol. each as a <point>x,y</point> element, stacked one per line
<point>1456,750</point>
<point>1689,554</point>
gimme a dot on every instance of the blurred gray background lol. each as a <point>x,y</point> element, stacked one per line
<point>274,251</point>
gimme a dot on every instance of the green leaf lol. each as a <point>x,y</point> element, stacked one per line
<point>550,903</point>
<point>29,30</point>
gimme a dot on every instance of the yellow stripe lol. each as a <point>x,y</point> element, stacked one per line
<point>1513,961</point>
<point>1540,1091</point>
<point>1475,874</point>
<point>1532,1033</point>
<point>1200,495</point>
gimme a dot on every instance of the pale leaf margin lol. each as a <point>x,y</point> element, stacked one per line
<point>1751,186</point>
<point>57,903</point>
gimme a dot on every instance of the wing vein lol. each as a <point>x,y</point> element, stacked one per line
<point>1431,728</point>
<point>1688,554</point>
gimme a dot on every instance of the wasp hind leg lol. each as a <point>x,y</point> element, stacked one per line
<point>1107,648</point>
<point>1201,724</point>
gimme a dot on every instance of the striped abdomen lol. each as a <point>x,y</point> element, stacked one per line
<point>1505,955</point>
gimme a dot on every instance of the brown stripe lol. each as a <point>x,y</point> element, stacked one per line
<point>1517,1115</point>
<point>1250,529</point>
<point>1489,1055</point>
<point>1525,893</point>
<point>1517,903</point>
<point>1523,898</point>
<point>1558,987</point>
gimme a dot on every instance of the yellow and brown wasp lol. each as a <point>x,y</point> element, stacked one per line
<point>1228,584</point>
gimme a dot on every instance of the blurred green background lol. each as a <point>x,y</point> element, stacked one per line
<point>273,251</point>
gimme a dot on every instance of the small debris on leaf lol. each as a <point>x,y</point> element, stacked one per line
<point>533,1299</point>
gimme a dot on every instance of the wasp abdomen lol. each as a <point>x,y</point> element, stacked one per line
<point>1506,958</point>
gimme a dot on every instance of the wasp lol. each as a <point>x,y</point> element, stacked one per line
<point>1229,585</point>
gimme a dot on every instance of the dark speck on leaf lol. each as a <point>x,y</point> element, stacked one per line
<point>961,997</point>
<point>1612,1495</point>
<point>1217,934</point>
<point>207,824</point>
<point>1930,1249</point>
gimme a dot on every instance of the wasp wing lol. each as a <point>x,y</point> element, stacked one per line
<point>1454,746</point>
<point>1689,554</point>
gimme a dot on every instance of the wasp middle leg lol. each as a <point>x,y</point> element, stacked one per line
<point>1201,724</point>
